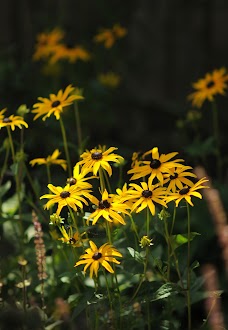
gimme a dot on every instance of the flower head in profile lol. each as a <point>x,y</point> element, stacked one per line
<point>179,178</point>
<point>50,160</point>
<point>207,88</point>
<point>55,103</point>
<point>68,196</point>
<point>187,192</point>
<point>146,195</point>
<point>145,241</point>
<point>80,177</point>
<point>96,257</point>
<point>109,36</point>
<point>74,239</point>
<point>11,121</point>
<point>98,158</point>
<point>110,209</point>
<point>156,167</point>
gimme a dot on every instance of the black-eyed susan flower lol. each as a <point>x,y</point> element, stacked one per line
<point>109,209</point>
<point>187,192</point>
<point>145,196</point>
<point>67,196</point>
<point>155,168</point>
<point>109,36</point>
<point>12,121</point>
<point>47,42</point>
<point>55,103</point>
<point>96,257</point>
<point>212,84</point>
<point>50,160</point>
<point>79,177</point>
<point>74,239</point>
<point>178,178</point>
<point>96,158</point>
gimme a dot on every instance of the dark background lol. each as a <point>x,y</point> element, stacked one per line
<point>169,45</point>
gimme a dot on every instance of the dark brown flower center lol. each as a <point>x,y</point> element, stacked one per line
<point>64,194</point>
<point>210,84</point>
<point>96,155</point>
<point>174,176</point>
<point>72,181</point>
<point>147,193</point>
<point>104,204</point>
<point>72,240</point>
<point>184,191</point>
<point>155,163</point>
<point>7,120</point>
<point>55,104</point>
<point>97,255</point>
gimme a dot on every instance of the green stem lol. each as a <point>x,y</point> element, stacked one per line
<point>48,173</point>
<point>66,147</point>
<point>144,273</point>
<point>189,270</point>
<point>18,185</point>
<point>107,181</point>
<point>102,182</point>
<point>167,237</point>
<point>147,221</point>
<point>11,143</point>
<point>134,227</point>
<point>108,291</point>
<point>78,127</point>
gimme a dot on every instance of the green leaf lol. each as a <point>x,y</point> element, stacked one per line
<point>180,239</point>
<point>165,291</point>
<point>4,188</point>
<point>10,206</point>
<point>135,254</point>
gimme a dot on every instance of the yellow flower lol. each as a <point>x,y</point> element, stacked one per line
<point>55,103</point>
<point>110,209</point>
<point>156,168</point>
<point>2,113</point>
<point>187,192</point>
<point>94,257</point>
<point>146,196</point>
<point>77,53</point>
<point>11,121</point>
<point>109,79</point>
<point>79,177</point>
<point>109,36</point>
<point>96,158</point>
<point>47,43</point>
<point>68,196</point>
<point>177,178</point>
<point>119,31</point>
<point>145,241</point>
<point>206,88</point>
<point>74,239</point>
<point>50,160</point>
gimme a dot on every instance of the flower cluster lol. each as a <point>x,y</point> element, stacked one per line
<point>51,46</point>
